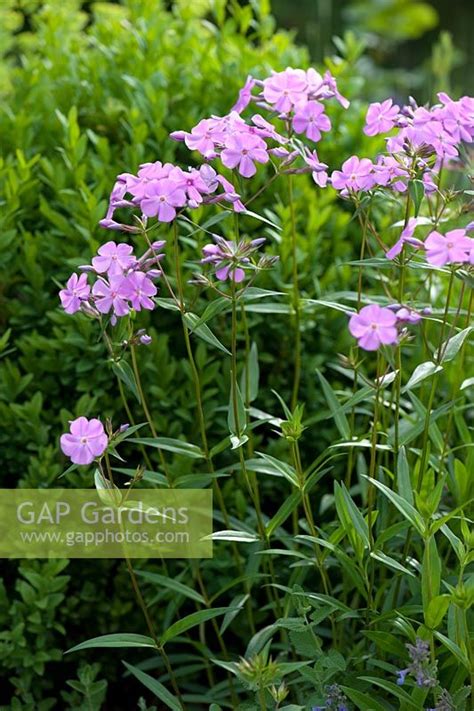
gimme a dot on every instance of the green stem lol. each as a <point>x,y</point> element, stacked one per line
<point>296,299</point>
<point>434,385</point>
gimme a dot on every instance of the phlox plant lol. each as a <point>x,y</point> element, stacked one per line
<point>369,609</point>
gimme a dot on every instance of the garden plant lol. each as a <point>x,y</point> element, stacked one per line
<point>276,305</point>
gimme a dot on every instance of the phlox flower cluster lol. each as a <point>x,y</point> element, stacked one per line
<point>121,282</point>
<point>230,258</point>
<point>161,190</point>
<point>375,326</point>
<point>454,247</point>
<point>296,95</point>
<point>424,140</point>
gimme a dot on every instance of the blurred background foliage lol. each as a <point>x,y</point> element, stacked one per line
<point>92,89</point>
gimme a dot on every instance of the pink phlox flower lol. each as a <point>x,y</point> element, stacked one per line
<point>243,151</point>
<point>76,292</point>
<point>315,83</point>
<point>265,129</point>
<point>148,174</point>
<point>111,295</point>
<point>452,248</point>
<point>374,326</point>
<point>356,174</point>
<point>283,90</point>
<point>381,117</point>
<point>139,289</point>
<point>114,258</point>
<point>311,119</point>
<point>405,236</point>
<point>191,182</point>
<point>204,137</point>
<point>245,95</point>
<point>407,315</point>
<point>318,170</point>
<point>162,199</point>
<point>230,257</point>
<point>85,441</point>
<point>330,84</point>
<point>389,171</point>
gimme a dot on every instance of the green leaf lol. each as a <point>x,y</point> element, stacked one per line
<point>339,417</point>
<point>171,584</point>
<point>431,572</point>
<point>416,190</point>
<point>203,332</point>
<point>192,620</point>
<point>364,702</point>
<point>403,477</point>
<point>349,515</point>
<point>393,689</point>
<point>391,563</point>
<point>437,608</point>
<point>285,510</point>
<point>186,449</point>
<point>237,605</point>
<point>124,372</point>
<point>421,372</point>
<point>453,345</point>
<point>240,536</point>
<point>250,376</point>
<point>155,687</point>
<point>267,464</point>
<point>212,309</point>
<point>236,415</point>
<point>120,639</point>
<point>406,509</point>
<point>455,650</point>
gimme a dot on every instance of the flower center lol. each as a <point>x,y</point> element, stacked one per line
<point>83,440</point>
<point>373,326</point>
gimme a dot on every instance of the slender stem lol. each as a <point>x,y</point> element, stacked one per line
<point>296,299</point>
<point>146,410</point>
<point>152,631</point>
<point>434,385</point>
<point>458,379</point>
<point>146,614</point>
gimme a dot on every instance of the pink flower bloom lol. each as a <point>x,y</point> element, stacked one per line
<point>318,169</point>
<point>203,138</point>
<point>406,236</point>
<point>193,183</point>
<point>114,258</point>
<point>381,118</point>
<point>162,199</point>
<point>451,248</point>
<point>285,89</point>
<point>85,441</point>
<point>407,315</point>
<point>139,288</point>
<point>76,292</point>
<point>242,150</point>
<point>356,174</point>
<point>214,254</point>
<point>245,95</point>
<point>111,295</point>
<point>311,119</point>
<point>331,84</point>
<point>373,326</point>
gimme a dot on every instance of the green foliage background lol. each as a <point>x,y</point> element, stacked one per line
<point>87,93</point>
